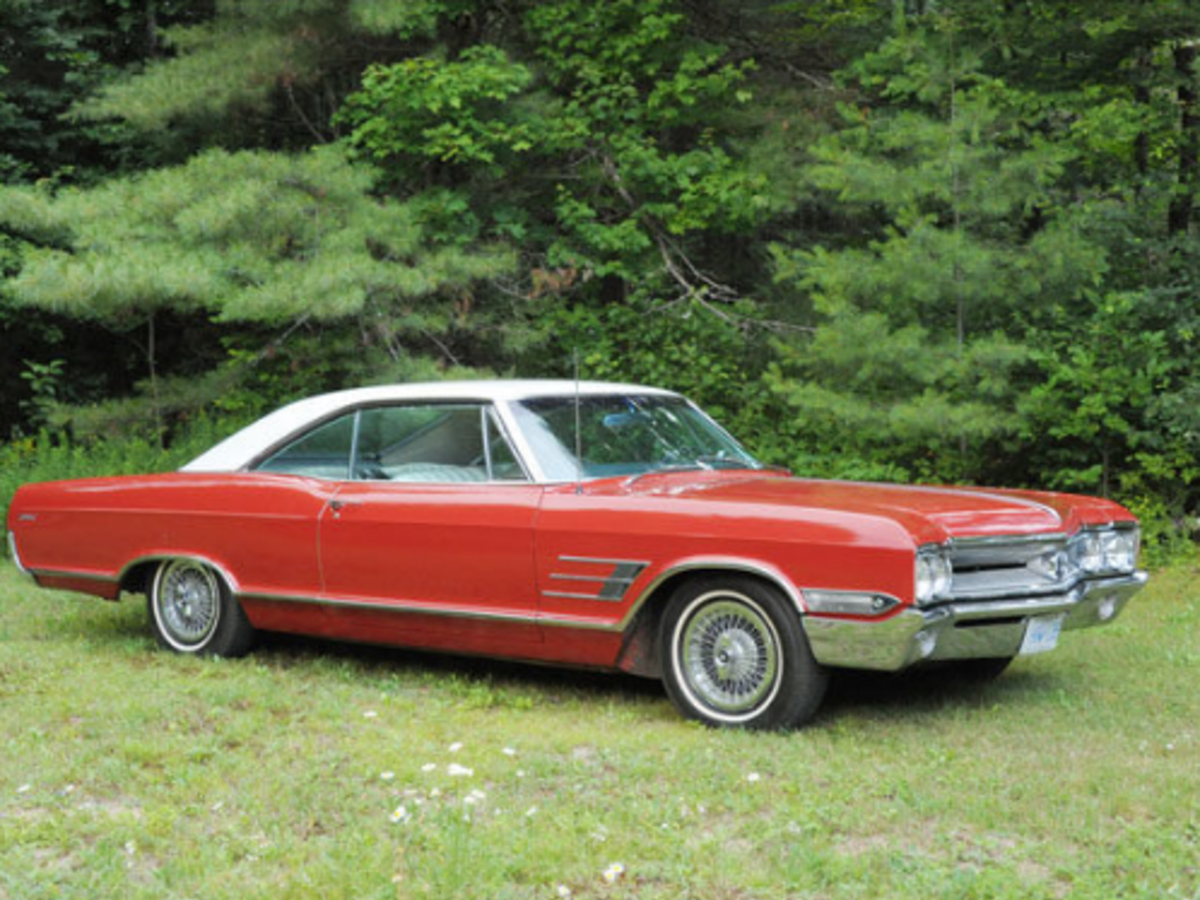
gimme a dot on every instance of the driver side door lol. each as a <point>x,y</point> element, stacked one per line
<point>430,537</point>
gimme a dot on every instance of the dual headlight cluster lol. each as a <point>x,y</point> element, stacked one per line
<point>1105,552</point>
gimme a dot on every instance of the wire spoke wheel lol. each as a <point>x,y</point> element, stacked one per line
<point>730,656</point>
<point>192,610</point>
<point>735,655</point>
<point>187,603</point>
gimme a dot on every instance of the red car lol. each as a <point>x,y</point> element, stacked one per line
<point>600,525</point>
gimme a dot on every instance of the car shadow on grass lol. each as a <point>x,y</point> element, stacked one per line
<point>918,693</point>
<point>930,692</point>
<point>428,668</point>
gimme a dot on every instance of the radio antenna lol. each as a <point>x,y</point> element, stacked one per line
<point>578,428</point>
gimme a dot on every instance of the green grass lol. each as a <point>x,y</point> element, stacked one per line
<point>130,772</point>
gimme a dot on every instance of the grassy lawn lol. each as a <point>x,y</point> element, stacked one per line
<point>327,770</point>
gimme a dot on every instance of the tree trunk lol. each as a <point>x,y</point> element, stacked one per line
<point>1179,216</point>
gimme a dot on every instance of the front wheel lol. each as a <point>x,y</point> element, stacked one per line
<point>735,654</point>
<point>192,611</point>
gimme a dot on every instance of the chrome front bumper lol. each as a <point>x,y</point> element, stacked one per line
<point>975,630</point>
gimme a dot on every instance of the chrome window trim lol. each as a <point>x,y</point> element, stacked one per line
<point>488,408</point>
<point>492,413</point>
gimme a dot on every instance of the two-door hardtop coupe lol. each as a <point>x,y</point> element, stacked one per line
<point>585,524</point>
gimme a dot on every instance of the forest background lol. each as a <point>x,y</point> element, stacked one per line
<point>949,240</point>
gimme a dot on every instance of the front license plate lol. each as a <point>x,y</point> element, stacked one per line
<point>1041,634</point>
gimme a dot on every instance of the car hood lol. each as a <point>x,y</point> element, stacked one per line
<point>930,514</point>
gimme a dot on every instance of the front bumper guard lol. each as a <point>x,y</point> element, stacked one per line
<point>986,629</point>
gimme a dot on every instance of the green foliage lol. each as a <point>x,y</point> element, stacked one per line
<point>251,237</point>
<point>53,52</point>
<point>636,127</point>
<point>698,350</point>
<point>423,111</point>
<point>261,72</point>
<point>217,69</point>
<point>245,236</point>
<point>914,358</point>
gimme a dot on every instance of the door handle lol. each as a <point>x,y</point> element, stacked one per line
<point>336,506</point>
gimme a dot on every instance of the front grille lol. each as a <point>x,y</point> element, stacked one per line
<point>994,568</point>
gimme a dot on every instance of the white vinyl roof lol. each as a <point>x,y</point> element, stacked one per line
<point>240,449</point>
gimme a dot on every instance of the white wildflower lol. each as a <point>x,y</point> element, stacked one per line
<point>509,751</point>
<point>753,777</point>
<point>563,891</point>
<point>613,872</point>
<point>370,714</point>
<point>456,746</point>
<point>428,767</point>
<point>25,789</point>
<point>454,770</point>
<point>401,814</point>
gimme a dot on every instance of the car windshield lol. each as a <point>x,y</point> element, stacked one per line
<point>625,435</point>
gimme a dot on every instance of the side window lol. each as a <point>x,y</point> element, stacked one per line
<point>323,452</point>
<point>433,443</point>
<point>427,442</point>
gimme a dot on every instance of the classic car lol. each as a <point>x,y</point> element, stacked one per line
<point>584,524</point>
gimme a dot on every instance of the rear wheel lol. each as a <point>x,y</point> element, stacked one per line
<point>193,611</point>
<point>735,654</point>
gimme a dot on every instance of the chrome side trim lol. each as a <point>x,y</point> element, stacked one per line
<point>398,607</point>
<point>716,564</point>
<point>16,557</point>
<point>230,581</point>
<point>600,561</point>
<point>65,573</point>
<point>547,620</point>
<point>870,604</point>
<point>414,607</point>
<point>613,585</point>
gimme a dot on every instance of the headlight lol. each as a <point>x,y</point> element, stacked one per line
<point>1106,552</point>
<point>934,575</point>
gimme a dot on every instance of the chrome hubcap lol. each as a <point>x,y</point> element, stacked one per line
<point>729,655</point>
<point>188,602</point>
